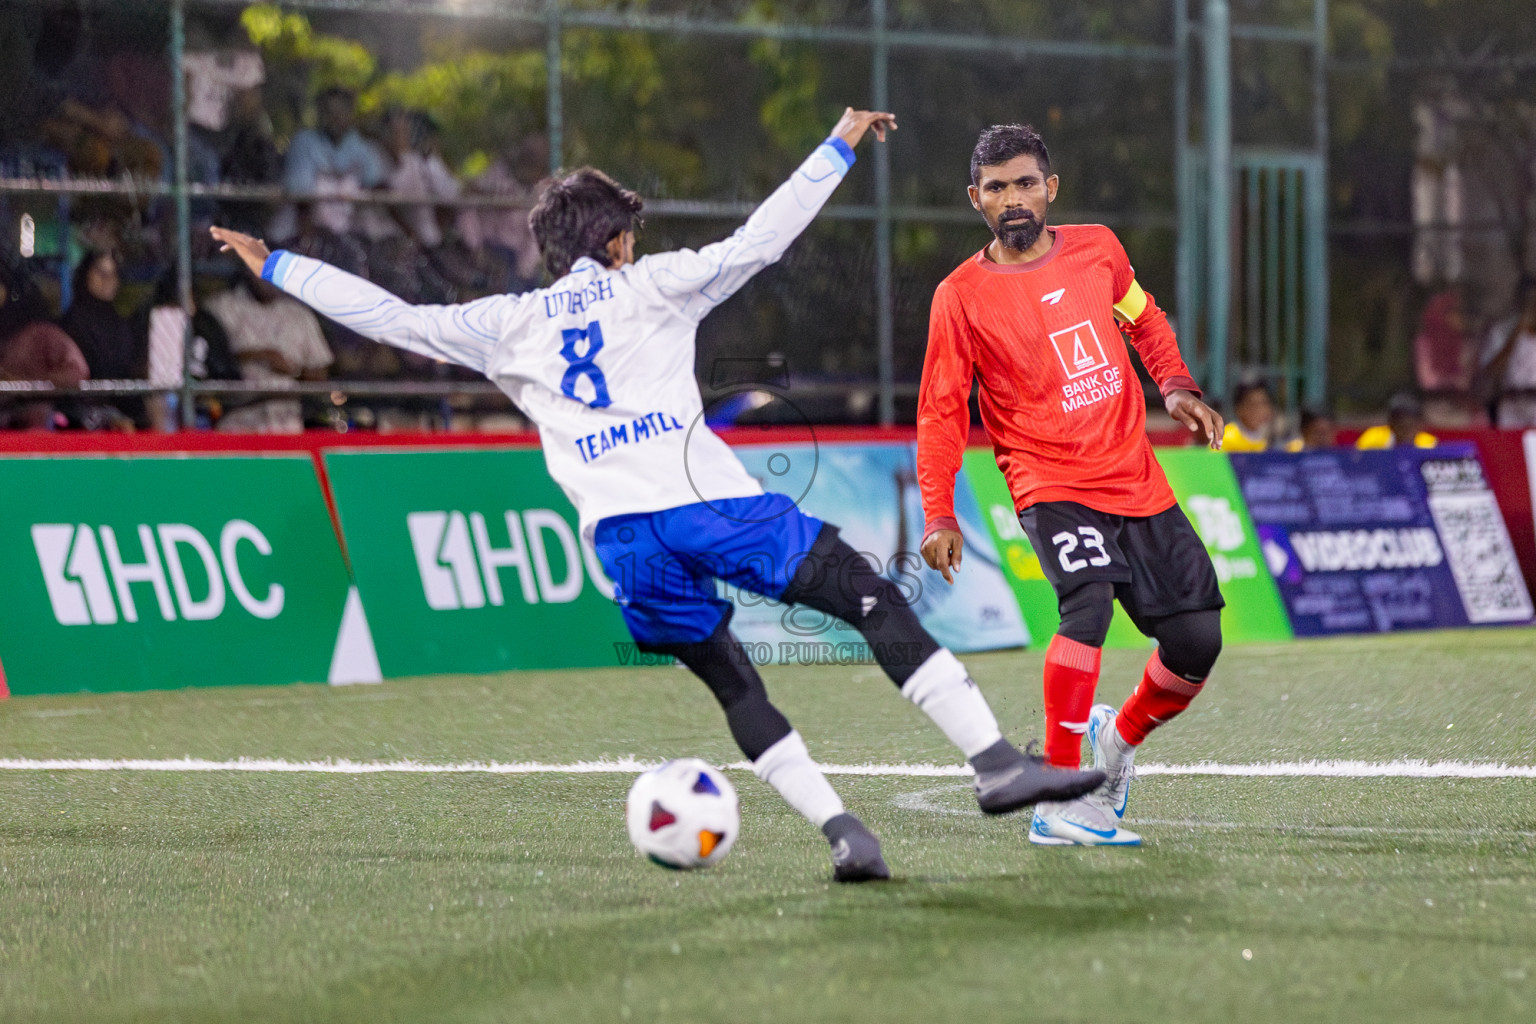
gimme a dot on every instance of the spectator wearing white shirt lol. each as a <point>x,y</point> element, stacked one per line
<point>276,340</point>
<point>165,328</point>
<point>1509,366</point>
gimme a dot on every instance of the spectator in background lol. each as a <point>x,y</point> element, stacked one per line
<point>405,239</point>
<point>1441,354</point>
<point>1508,366</point>
<point>215,77</point>
<point>1444,354</point>
<point>1404,426</point>
<point>104,142</point>
<point>105,337</point>
<point>419,170</point>
<point>331,159</point>
<point>33,348</point>
<point>1318,431</point>
<point>1253,420</point>
<point>251,156</point>
<point>503,231</point>
<point>163,324</point>
<point>276,340</point>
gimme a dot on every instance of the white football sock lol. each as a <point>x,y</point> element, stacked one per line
<point>943,690</point>
<point>788,768</point>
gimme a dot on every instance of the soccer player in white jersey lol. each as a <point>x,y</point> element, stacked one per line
<point>602,361</point>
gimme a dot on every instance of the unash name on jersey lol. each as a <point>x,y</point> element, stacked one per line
<point>602,361</point>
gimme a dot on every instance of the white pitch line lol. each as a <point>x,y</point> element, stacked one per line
<point>1404,769</point>
<point>928,801</point>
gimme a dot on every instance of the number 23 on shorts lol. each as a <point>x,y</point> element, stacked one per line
<point>1090,539</point>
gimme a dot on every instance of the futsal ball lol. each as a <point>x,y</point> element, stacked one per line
<point>683,814</point>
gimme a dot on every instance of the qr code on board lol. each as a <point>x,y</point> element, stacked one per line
<point>1481,556</point>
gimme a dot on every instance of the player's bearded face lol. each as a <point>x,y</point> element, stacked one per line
<point>1018,228</point>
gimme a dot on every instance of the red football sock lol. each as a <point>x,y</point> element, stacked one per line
<point>1160,697</point>
<point>1071,675</point>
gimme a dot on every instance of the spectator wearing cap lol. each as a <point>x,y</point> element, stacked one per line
<point>1404,426</point>
<point>1253,420</point>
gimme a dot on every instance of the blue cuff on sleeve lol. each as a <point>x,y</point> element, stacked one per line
<point>276,267</point>
<point>843,151</point>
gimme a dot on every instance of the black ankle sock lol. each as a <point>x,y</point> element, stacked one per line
<point>999,755</point>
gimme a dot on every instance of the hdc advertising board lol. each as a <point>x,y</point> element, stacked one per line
<point>151,573</point>
<point>1373,541</point>
<point>470,560</point>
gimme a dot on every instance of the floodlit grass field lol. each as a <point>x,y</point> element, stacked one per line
<point>222,896</point>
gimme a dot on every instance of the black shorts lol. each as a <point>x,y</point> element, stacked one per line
<point>1158,564</point>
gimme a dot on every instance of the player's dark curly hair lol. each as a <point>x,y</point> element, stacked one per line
<point>578,215</point>
<point>1002,142</point>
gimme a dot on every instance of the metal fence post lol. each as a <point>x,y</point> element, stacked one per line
<point>885,313</point>
<point>183,204</point>
<point>1218,148</point>
<point>554,99</point>
<point>1183,285</point>
<point>1316,364</point>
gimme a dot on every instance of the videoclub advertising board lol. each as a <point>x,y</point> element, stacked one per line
<point>1374,541</point>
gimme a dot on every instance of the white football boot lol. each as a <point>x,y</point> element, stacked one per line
<point>1087,821</point>
<point>1112,756</point>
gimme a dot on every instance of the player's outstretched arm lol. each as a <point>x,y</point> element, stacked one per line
<point>463,334</point>
<point>699,281</point>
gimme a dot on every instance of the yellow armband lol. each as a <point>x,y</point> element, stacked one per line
<point>1132,304</point>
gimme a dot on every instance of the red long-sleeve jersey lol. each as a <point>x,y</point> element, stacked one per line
<point>1059,397</point>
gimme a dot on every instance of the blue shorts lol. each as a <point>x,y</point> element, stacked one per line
<point>664,564</point>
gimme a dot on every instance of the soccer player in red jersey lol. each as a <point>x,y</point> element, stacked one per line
<point>1038,317</point>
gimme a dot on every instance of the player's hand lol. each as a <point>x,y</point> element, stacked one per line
<point>854,123</point>
<point>941,550</point>
<point>253,252</point>
<point>1203,421</point>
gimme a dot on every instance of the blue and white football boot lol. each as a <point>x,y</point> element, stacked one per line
<point>1087,821</point>
<point>1112,756</point>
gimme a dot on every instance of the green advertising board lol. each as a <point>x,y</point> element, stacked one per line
<point>150,573</point>
<point>470,560</point>
<point>1207,488</point>
<point>1020,564</point>
<point>1203,482</point>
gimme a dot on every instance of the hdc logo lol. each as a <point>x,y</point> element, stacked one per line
<point>460,567</point>
<point>77,575</point>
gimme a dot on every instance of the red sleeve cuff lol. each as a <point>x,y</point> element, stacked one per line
<point>1180,383</point>
<point>938,523</point>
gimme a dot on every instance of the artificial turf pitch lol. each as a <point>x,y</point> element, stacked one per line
<point>174,896</point>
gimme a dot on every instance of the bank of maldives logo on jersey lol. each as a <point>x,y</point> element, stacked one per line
<point>1079,350</point>
<point>1090,378</point>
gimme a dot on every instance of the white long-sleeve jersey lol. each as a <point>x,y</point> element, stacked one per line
<point>602,360</point>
